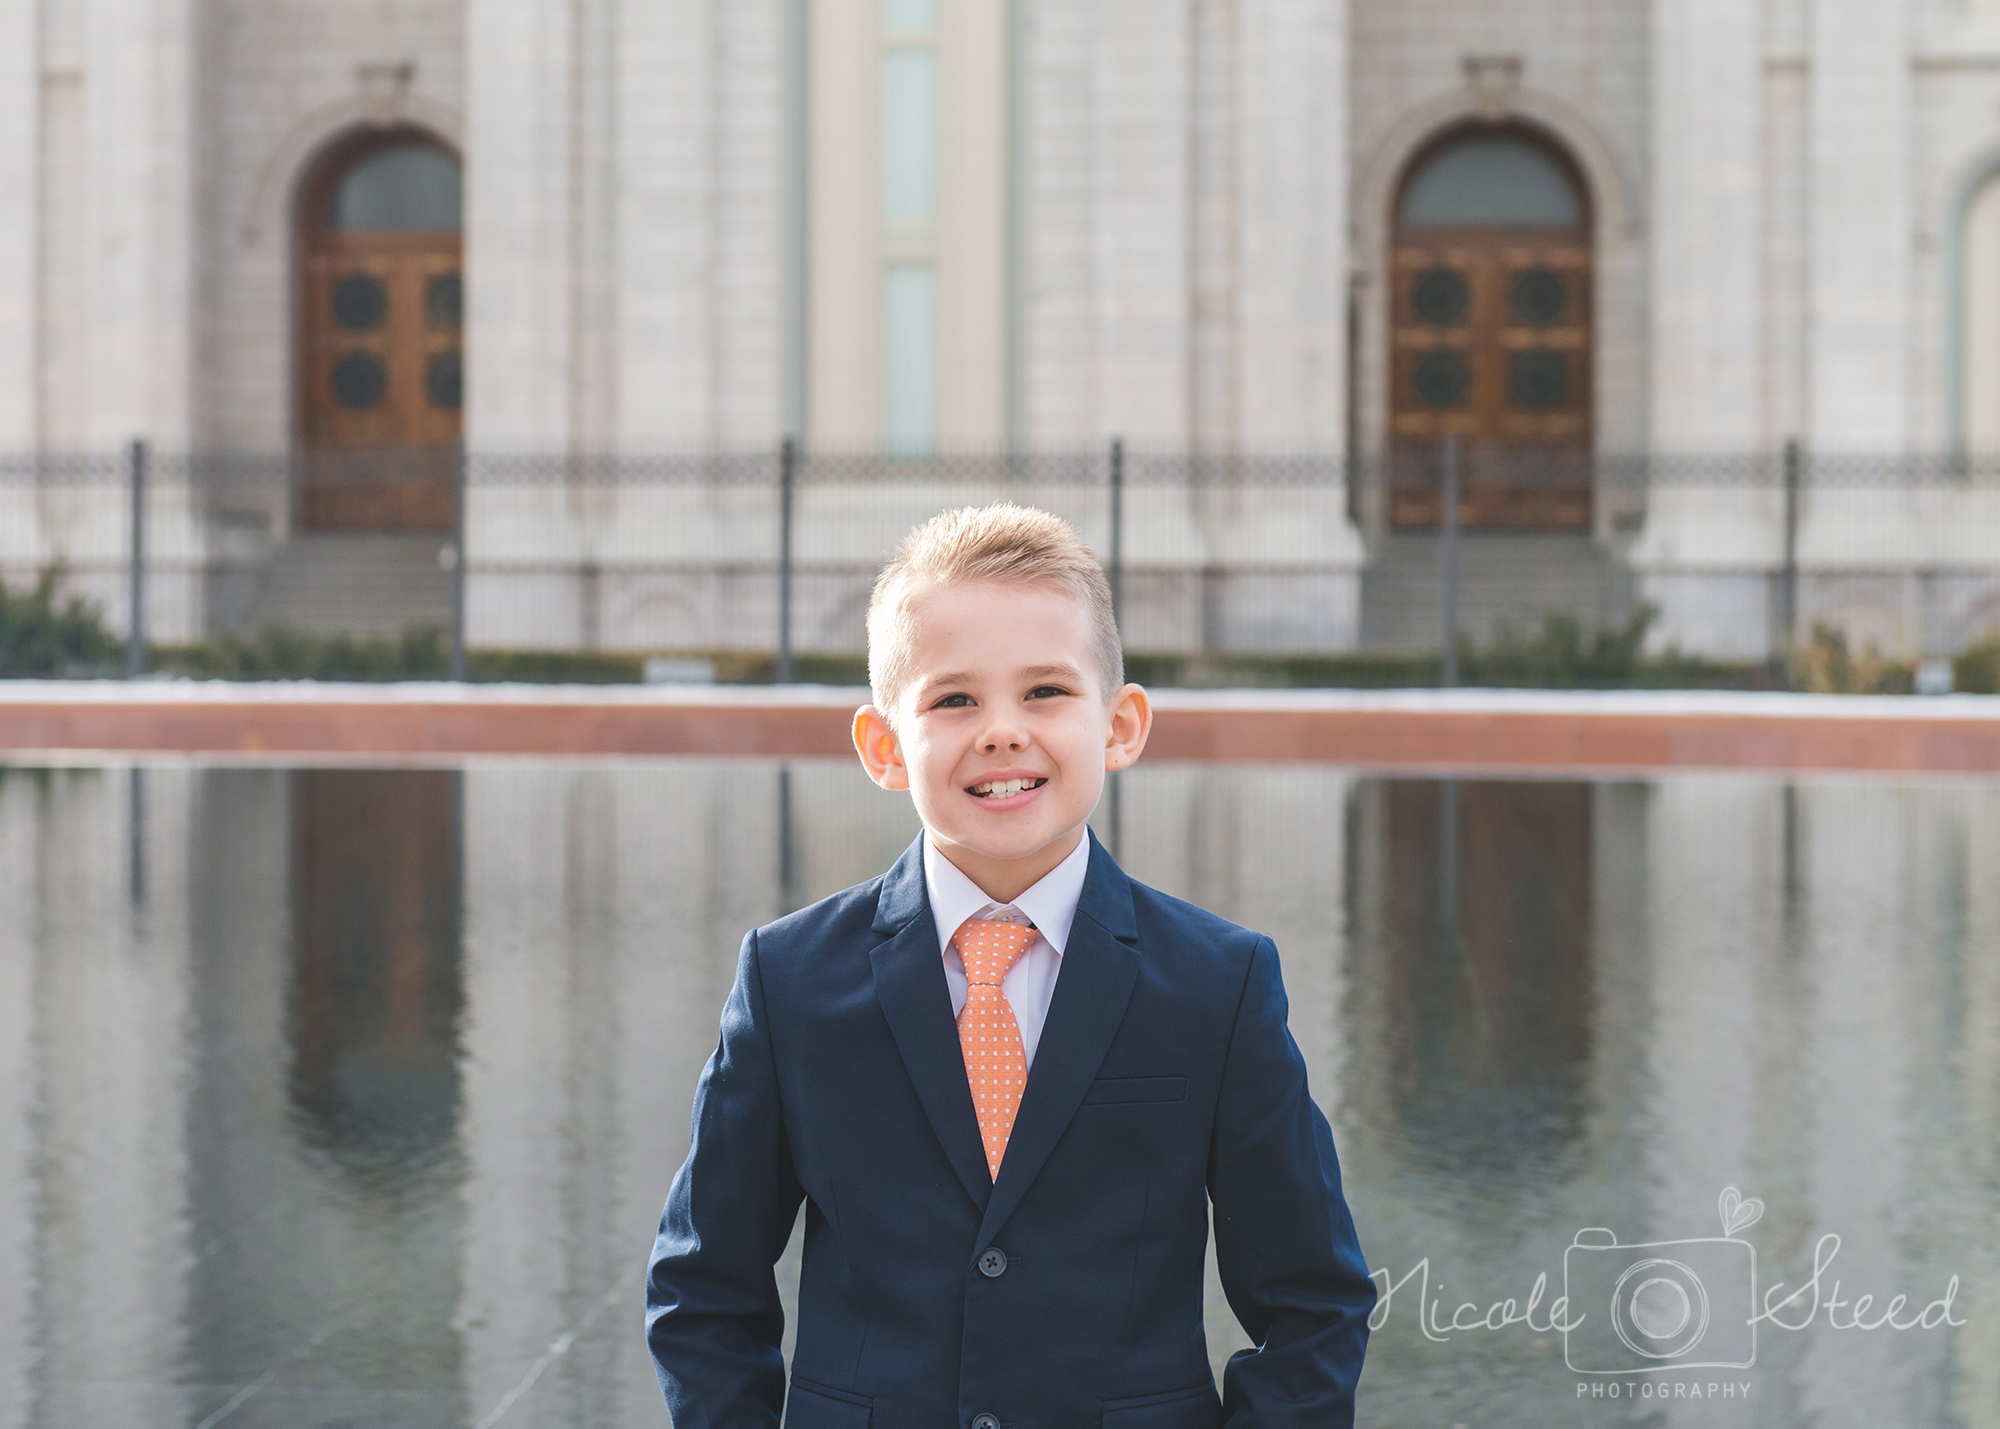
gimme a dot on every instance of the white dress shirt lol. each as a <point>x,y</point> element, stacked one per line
<point>1049,907</point>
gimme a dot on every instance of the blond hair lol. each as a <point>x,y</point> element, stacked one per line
<point>1002,542</point>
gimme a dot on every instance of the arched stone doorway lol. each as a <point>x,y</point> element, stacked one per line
<point>1979,323</point>
<point>380,318</point>
<point>1491,298</point>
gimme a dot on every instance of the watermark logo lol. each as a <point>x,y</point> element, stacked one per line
<point>1665,1305</point>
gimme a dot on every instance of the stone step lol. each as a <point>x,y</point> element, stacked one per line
<point>1502,576</point>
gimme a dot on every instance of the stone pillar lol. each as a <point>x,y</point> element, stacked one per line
<point>519,226</point>
<point>667,137</point>
<point>972,229</point>
<point>20,143</point>
<point>1291,354</point>
<point>699,184</point>
<point>138,222</point>
<point>1108,226</point>
<point>1217,152</point>
<point>1706,360</point>
<point>1861,226</point>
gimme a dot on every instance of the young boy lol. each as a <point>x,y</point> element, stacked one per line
<point>1006,1080</point>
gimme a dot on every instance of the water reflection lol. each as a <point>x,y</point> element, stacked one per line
<point>375,963</point>
<point>1473,914</point>
<point>350,1097</point>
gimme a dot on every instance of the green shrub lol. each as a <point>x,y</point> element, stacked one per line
<point>556,667</point>
<point>1826,666</point>
<point>278,653</point>
<point>1348,669</point>
<point>419,653</point>
<point>1977,671</point>
<point>40,638</point>
<point>1559,656</point>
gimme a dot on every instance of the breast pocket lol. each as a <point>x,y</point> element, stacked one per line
<point>1128,1091</point>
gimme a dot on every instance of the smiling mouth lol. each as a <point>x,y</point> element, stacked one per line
<point>1004,788</point>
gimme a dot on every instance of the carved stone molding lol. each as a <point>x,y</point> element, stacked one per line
<point>385,90</point>
<point>1494,80</point>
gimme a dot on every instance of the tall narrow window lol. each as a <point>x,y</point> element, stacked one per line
<point>909,215</point>
<point>909,353</point>
<point>909,136</point>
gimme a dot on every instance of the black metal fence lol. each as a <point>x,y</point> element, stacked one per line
<point>1736,561</point>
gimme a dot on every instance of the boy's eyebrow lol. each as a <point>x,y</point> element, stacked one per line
<point>966,677</point>
<point>931,682</point>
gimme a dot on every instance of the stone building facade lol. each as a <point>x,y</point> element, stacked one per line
<point>925,226</point>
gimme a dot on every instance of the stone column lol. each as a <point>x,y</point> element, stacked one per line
<point>1706,360</point>
<point>138,222</point>
<point>1140,137</point>
<point>1292,290</point>
<point>699,177</point>
<point>20,144</point>
<point>519,225</point>
<point>1108,226</point>
<point>666,228</point>
<point>1861,225</point>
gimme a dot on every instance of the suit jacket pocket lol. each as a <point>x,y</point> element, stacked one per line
<point>1195,1407</point>
<point>817,1407</point>
<point>1120,1091</point>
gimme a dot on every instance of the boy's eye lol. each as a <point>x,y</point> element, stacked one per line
<point>953,702</point>
<point>1043,692</point>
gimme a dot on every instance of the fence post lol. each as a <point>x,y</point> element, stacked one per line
<point>788,461</point>
<point>458,486</point>
<point>1115,562</point>
<point>135,639</point>
<point>1448,554</point>
<point>1788,589</point>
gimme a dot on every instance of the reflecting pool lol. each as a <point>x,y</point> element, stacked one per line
<point>349,1097</point>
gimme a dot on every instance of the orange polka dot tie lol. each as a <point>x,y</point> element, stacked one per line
<point>995,1065</point>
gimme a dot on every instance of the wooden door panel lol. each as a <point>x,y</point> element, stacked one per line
<point>381,372</point>
<point>1504,366</point>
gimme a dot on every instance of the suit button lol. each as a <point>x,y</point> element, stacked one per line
<point>992,1265</point>
<point>986,1421</point>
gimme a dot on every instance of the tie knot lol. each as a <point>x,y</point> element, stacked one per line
<point>990,949</point>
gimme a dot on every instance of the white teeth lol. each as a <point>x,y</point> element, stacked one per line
<point>1004,788</point>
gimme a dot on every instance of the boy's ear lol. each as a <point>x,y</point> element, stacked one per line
<point>880,753</point>
<point>1131,723</point>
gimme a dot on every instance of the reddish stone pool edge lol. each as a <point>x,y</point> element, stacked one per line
<point>351,728</point>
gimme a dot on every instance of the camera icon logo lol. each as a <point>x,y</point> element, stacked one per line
<point>1665,1305</point>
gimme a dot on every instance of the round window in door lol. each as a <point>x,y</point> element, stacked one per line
<point>379,396</point>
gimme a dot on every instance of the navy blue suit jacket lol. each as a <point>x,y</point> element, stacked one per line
<point>1165,1078</point>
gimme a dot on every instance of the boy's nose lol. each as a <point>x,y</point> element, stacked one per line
<point>1000,737</point>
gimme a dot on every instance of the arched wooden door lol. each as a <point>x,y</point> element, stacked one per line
<point>1491,333</point>
<point>381,313</point>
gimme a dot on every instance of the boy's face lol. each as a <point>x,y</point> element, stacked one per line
<point>1003,692</point>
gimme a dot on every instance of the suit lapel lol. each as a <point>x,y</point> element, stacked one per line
<point>910,986</point>
<point>1100,965</point>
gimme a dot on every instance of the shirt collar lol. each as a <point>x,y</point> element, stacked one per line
<point>1050,905</point>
